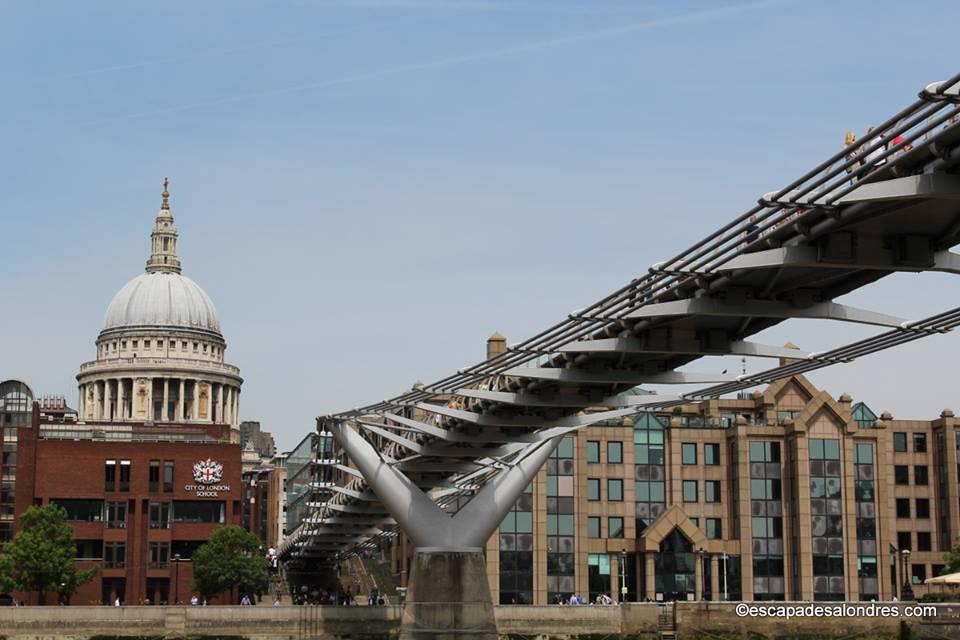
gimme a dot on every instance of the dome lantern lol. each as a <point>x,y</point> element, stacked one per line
<point>163,240</point>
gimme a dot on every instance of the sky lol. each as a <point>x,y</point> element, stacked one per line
<point>369,189</point>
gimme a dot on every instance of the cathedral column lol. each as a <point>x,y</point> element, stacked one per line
<point>164,413</point>
<point>195,412</point>
<point>107,400</point>
<point>228,398</point>
<point>83,402</point>
<point>235,418</point>
<point>220,412</point>
<point>96,400</point>
<point>150,413</point>
<point>121,401</point>
<point>182,401</point>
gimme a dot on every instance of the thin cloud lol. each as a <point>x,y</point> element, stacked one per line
<point>696,16</point>
<point>226,51</point>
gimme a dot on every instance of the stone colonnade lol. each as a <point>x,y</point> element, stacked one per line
<point>160,399</point>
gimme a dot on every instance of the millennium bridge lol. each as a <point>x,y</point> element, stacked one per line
<point>445,461</point>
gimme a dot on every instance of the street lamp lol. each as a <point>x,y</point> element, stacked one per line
<point>906,593</point>
<point>623,575</point>
<point>176,578</point>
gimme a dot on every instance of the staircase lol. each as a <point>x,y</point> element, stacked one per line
<point>380,575</point>
<point>666,623</point>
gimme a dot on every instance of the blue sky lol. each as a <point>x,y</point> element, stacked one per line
<point>369,189</point>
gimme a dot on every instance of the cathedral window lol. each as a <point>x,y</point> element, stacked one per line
<point>146,344</point>
<point>159,344</point>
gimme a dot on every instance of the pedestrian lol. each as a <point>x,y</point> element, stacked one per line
<point>851,157</point>
<point>276,601</point>
<point>873,157</point>
<point>245,601</point>
<point>116,602</point>
<point>194,600</point>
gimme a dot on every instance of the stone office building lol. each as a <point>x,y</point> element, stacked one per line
<point>783,494</point>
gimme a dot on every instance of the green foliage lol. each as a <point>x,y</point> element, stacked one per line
<point>230,558</point>
<point>41,556</point>
<point>952,559</point>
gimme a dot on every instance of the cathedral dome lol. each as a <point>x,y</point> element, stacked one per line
<point>162,299</point>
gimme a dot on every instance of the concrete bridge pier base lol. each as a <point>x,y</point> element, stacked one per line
<point>448,597</point>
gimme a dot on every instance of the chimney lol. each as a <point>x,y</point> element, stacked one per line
<point>496,344</point>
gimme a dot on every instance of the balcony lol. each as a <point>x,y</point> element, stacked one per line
<point>177,364</point>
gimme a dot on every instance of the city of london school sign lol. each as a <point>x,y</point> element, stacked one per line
<point>207,474</point>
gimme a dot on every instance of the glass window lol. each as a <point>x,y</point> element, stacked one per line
<point>711,453</point>
<point>593,451</point>
<point>158,555</point>
<point>689,453</point>
<point>924,541</point>
<point>81,510</point>
<point>920,442</point>
<point>714,529</point>
<point>114,555</point>
<point>904,540</point>
<point>116,515</point>
<point>593,489</point>
<point>920,475</point>
<point>195,511</point>
<point>690,491</point>
<point>615,527</point>
<point>593,527</point>
<point>903,508</point>
<point>124,475</point>
<point>153,477</point>
<point>159,515</point>
<point>899,442</point>
<point>614,490</point>
<point>918,573</point>
<point>614,452</point>
<point>863,453</point>
<point>110,475</point>
<point>901,474</point>
<point>168,476</point>
<point>923,508</point>
<point>565,448</point>
<point>711,491</point>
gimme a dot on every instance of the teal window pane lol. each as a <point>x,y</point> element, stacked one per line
<point>657,492</point>
<point>757,452</point>
<point>552,525</point>
<point>831,449</point>
<point>614,452</point>
<point>759,526</point>
<point>552,486</point>
<point>524,522</point>
<point>656,454</point>
<point>614,527</point>
<point>641,437</point>
<point>641,491</point>
<point>689,450</point>
<point>642,454</point>
<point>593,489</point>
<point>758,490</point>
<point>615,490</point>
<point>565,525</point>
<point>689,490</point>
<point>816,449</point>
<point>604,565</point>
<point>864,453</point>
<point>593,527</point>
<point>593,451</point>
<point>656,437</point>
<point>593,559</point>
<point>509,524</point>
<point>565,449</point>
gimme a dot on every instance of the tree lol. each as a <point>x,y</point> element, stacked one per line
<point>41,556</point>
<point>231,557</point>
<point>952,559</point>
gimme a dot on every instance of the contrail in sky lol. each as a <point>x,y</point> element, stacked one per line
<point>695,16</point>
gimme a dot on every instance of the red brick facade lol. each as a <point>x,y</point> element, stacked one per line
<point>54,467</point>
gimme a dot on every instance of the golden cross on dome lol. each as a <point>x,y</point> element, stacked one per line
<point>165,195</point>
